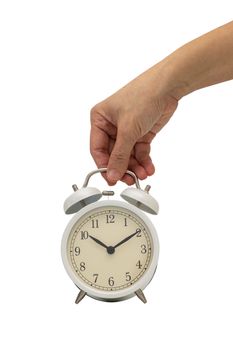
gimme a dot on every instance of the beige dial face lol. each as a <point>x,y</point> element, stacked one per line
<point>110,248</point>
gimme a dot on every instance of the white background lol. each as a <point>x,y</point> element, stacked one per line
<point>57,59</point>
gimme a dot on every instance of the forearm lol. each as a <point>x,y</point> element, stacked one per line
<point>202,62</point>
<point>124,124</point>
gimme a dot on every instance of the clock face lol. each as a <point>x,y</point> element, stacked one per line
<point>109,248</point>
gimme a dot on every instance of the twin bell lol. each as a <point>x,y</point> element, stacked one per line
<point>87,195</point>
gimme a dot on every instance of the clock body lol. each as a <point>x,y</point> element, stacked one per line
<point>110,250</point>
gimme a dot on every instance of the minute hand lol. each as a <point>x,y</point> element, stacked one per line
<point>126,239</point>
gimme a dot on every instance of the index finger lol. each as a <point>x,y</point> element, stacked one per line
<point>99,146</point>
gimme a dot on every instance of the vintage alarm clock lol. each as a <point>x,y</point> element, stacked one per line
<point>110,248</point>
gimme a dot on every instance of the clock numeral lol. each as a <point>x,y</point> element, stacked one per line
<point>127,276</point>
<point>139,232</point>
<point>143,251</point>
<point>82,266</point>
<point>84,234</point>
<point>95,275</point>
<point>77,251</point>
<point>111,281</point>
<point>110,219</point>
<point>126,223</point>
<point>95,223</point>
<point>139,265</point>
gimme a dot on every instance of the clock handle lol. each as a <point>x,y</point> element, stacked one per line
<point>103,170</point>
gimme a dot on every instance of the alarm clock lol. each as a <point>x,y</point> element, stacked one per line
<point>110,248</point>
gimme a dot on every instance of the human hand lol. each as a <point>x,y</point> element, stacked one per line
<point>124,125</point>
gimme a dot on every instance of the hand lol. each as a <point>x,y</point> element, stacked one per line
<point>110,249</point>
<point>98,241</point>
<point>124,125</point>
<point>127,238</point>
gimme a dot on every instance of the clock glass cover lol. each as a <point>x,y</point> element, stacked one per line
<point>109,248</point>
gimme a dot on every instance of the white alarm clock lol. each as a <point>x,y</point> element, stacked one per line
<point>110,248</point>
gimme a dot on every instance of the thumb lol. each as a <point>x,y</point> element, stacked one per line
<point>119,158</point>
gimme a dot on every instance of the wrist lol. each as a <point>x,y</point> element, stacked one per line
<point>166,80</point>
<point>175,84</point>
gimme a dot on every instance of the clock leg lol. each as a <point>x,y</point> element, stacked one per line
<point>141,295</point>
<point>80,296</point>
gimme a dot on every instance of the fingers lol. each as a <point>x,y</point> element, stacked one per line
<point>138,161</point>
<point>137,169</point>
<point>102,132</point>
<point>142,155</point>
<point>120,155</point>
<point>119,150</point>
<point>99,146</point>
<point>133,165</point>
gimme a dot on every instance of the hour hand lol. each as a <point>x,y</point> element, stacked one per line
<point>98,241</point>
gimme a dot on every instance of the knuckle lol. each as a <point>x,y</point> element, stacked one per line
<point>142,151</point>
<point>119,156</point>
<point>96,110</point>
<point>92,151</point>
<point>98,119</point>
<point>93,113</point>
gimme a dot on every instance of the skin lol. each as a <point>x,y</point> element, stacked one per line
<point>124,125</point>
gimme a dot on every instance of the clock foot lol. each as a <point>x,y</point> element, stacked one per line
<point>141,295</point>
<point>80,296</point>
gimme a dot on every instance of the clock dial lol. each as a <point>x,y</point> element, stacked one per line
<point>109,248</point>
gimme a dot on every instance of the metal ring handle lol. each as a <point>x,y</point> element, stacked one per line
<point>103,170</point>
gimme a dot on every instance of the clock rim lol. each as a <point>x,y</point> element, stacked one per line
<point>128,291</point>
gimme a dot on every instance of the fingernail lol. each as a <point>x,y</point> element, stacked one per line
<point>113,175</point>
